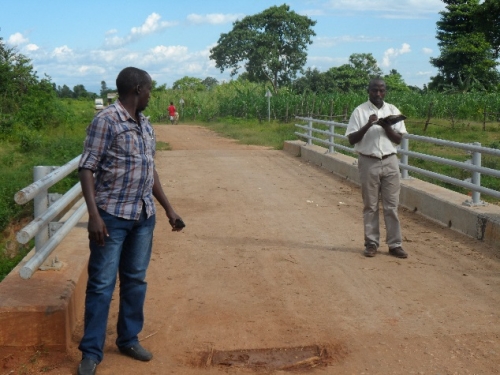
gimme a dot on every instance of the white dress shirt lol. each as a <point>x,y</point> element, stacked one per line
<point>375,142</point>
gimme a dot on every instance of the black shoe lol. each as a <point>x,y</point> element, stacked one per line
<point>370,251</point>
<point>87,367</point>
<point>137,352</point>
<point>398,252</point>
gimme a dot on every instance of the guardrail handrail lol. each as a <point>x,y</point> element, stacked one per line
<point>46,241</point>
<point>473,165</point>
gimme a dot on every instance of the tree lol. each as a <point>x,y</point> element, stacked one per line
<point>156,88</point>
<point>65,92</point>
<point>16,77</point>
<point>395,82</point>
<point>271,45</point>
<point>467,59</point>
<point>312,80</point>
<point>188,83</point>
<point>487,18</point>
<point>210,83</point>
<point>104,89</point>
<point>80,92</point>
<point>354,76</point>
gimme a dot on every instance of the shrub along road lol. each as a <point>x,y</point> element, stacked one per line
<point>271,259</point>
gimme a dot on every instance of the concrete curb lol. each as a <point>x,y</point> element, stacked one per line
<point>431,201</point>
<point>45,309</point>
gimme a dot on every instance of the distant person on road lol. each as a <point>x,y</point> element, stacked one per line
<point>119,180</point>
<point>378,167</point>
<point>172,111</point>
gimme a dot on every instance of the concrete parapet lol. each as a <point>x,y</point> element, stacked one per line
<point>44,310</point>
<point>431,201</point>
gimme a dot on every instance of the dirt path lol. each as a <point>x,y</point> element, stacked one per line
<point>271,259</point>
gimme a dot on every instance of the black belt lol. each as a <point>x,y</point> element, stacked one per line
<point>382,158</point>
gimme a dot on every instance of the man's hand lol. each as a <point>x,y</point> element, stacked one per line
<point>97,230</point>
<point>372,119</point>
<point>173,220</point>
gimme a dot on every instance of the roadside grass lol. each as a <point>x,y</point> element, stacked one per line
<point>252,132</point>
<point>22,149</point>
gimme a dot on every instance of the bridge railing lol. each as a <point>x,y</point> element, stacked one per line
<point>310,132</point>
<point>48,207</point>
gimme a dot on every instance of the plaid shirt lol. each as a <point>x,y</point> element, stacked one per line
<point>121,153</point>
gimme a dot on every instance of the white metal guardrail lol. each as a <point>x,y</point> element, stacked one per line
<point>47,207</point>
<point>474,165</point>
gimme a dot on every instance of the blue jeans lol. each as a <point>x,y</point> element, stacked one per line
<point>126,252</point>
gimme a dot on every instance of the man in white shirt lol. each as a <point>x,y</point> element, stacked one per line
<point>378,167</point>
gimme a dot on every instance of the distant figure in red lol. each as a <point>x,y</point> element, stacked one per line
<point>172,111</point>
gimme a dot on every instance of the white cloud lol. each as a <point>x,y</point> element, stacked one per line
<point>328,42</point>
<point>389,8</point>
<point>426,50</point>
<point>90,69</point>
<point>63,53</point>
<point>17,39</point>
<point>152,24</point>
<point>213,18</point>
<point>32,47</point>
<point>162,54</point>
<point>391,53</point>
<point>424,73</point>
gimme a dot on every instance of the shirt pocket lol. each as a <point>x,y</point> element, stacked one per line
<point>128,143</point>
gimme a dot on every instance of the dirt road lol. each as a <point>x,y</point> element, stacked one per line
<point>271,259</point>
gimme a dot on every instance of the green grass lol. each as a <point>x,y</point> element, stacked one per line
<point>20,150</point>
<point>252,132</point>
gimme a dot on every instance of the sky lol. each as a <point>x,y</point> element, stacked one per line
<point>86,42</point>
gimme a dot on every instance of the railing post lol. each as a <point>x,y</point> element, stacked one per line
<point>310,133</point>
<point>41,203</point>
<point>475,179</point>
<point>476,176</point>
<point>331,139</point>
<point>405,146</point>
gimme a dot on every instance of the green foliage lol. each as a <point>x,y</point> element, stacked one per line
<point>27,147</point>
<point>394,81</point>
<point>244,99</point>
<point>467,61</point>
<point>487,19</point>
<point>16,77</point>
<point>7,263</point>
<point>189,83</point>
<point>351,77</point>
<point>271,45</point>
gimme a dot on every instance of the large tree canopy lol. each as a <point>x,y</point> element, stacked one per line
<point>488,21</point>
<point>271,45</point>
<point>467,59</point>
<point>353,76</point>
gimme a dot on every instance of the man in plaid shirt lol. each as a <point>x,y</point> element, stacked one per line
<point>119,180</point>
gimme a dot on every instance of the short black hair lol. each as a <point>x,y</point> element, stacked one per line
<point>129,78</point>
<point>374,81</point>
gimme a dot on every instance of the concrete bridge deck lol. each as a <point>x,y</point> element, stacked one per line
<point>271,259</point>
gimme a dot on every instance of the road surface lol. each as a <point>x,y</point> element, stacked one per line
<point>269,276</point>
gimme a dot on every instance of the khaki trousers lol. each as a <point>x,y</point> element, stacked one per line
<point>380,178</point>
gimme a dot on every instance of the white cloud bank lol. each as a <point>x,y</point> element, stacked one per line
<point>214,18</point>
<point>389,8</point>
<point>392,53</point>
<point>152,24</point>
